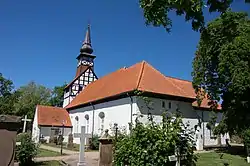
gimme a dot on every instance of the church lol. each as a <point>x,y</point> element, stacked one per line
<point>99,103</point>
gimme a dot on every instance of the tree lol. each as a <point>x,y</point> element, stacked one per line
<point>30,96</point>
<point>222,68</point>
<point>156,11</point>
<point>6,86</point>
<point>6,97</point>
<point>57,96</point>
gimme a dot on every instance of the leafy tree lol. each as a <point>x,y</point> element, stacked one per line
<point>6,86</point>
<point>6,97</point>
<point>30,96</point>
<point>57,96</point>
<point>222,68</point>
<point>156,11</point>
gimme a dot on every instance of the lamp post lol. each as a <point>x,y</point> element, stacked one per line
<point>62,137</point>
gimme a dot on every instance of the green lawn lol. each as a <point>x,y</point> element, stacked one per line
<point>74,148</point>
<point>47,153</point>
<point>218,159</point>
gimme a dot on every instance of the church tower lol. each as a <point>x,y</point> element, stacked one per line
<point>84,73</point>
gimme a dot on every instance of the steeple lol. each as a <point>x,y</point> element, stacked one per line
<point>86,45</point>
<point>84,73</point>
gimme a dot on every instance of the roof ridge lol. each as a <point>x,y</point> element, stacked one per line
<point>176,85</point>
<point>178,79</point>
<point>50,106</point>
<point>166,79</point>
<point>140,75</point>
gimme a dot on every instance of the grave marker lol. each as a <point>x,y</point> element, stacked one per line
<point>25,120</point>
<point>82,146</point>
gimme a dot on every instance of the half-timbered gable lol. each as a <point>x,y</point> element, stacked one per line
<point>78,84</point>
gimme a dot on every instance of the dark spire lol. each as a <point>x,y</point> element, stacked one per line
<point>86,45</point>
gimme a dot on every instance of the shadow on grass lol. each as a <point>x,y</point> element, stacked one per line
<point>233,150</point>
<point>47,163</point>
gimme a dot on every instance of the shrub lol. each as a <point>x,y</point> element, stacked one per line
<point>246,140</point>
<point>151,144</point>
<point>27,150</point>
<point>94,143</point>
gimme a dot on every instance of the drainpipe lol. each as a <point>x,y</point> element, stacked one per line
<point>131,109</point>
<point>93,119</point>
<point>203,129</point>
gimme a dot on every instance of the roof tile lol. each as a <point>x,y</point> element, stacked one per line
<point>141,76</point>
<point>53,116</point>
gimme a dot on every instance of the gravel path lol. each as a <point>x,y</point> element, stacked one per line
<point>71,157</point>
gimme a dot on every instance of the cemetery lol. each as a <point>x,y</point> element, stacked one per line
<point>175,95</point>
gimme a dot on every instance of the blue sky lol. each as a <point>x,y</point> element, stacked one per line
<point>40,40</point>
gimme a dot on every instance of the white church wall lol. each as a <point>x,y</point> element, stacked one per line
<point>119,111</point>
<point>116,111</point>
<point>186,109</point>
<point>189,114</point>
<point>210,140</point>
<point>35,129</point>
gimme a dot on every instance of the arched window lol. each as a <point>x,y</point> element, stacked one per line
<point>87,123</point>
<point>101,116</point>
<point>77,123</point>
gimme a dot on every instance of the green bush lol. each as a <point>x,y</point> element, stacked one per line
<point>27,150</point>
<point>246,140</point>
<point>94,143</point>
<point>151,144</point>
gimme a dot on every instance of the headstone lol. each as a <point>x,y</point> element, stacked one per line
<point>70,143</point>
<point>199,141</point>
<point>25,120</point>
<point>9,125</point>
<point>105,150</point>
<point>82,144</point>
<point>177,157</point>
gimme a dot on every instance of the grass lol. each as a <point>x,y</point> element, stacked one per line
<point>47,153</point>
<point>47,163</point>
<point>218,159</point>
<point>75,147</point>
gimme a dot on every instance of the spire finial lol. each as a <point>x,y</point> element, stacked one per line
<point>86,46</point>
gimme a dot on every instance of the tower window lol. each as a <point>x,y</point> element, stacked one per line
<point>163,104</point>
<point>169,105</point>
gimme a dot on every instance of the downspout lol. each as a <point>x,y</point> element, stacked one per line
<point>93,120</point>
<point>131,110</point>
<point>203,129</point>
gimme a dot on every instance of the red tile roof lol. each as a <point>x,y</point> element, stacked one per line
<point>141,76</point>
<point>52,116</point>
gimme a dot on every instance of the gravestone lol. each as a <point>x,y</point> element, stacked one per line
<point>105,150</point>
<point>82,146</point>
<point>70,143</point>
<point>9,125</point>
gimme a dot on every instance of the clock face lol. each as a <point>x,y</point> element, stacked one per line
<point>84,62</point>
<point>91,64</point>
